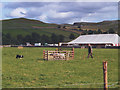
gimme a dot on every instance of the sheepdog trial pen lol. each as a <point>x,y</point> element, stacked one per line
<point>59,54</point>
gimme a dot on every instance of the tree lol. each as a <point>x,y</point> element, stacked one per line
<point>27,38</point>
<point>59,26</point>
<point>72,36</point>
<point>95,32</point>
<point>45,39</point>
<point>64,27</point>
<point>99,31</point>
<point>54,38</point>
<point>111,31</point>
<point>8,38</point>
<point>35,37</point>
<point>83,33</point>
<point>19,39</point>
<point>4,39</point>
<point>90,32</point>
<point>61,38</point>
<point>105,32</point>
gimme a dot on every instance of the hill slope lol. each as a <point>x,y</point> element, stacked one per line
<point>104,26</point>
<point>25,26</point>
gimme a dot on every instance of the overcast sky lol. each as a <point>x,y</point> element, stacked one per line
<point>61,12</point>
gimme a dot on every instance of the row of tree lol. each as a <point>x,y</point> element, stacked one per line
<point>84,32</point>
<point>99,31</point>
<point>33,38</point>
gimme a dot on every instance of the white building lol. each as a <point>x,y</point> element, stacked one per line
<point>97,40</point>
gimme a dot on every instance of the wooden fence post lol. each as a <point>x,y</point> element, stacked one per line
<point>44,54</point>
<point>66,55</point>
<point>105,75</point>
<point>47,55</point>
<point>73,53</point>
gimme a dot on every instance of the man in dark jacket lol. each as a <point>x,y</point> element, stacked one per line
<point>90,51</point>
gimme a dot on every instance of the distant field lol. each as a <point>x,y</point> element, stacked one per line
<point>33,71</point>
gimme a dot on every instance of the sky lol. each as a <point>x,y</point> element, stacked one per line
<point>60,12</point>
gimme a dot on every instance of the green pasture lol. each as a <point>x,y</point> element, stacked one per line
<point>43,31</point>
<point>34,72</point>
<point>24,27</point>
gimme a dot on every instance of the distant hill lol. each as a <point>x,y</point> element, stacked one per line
<point>104,26</point>
<point>25,27</point>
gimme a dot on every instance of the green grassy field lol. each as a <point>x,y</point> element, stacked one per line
<point>33,71</point>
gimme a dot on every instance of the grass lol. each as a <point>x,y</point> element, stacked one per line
<point>42,31</point>
<point>33,71</point>
<point>25,27</point>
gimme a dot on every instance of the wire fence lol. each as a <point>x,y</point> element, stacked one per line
<point>110,84</point>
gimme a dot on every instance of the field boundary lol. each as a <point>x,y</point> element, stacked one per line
<point>113,83</point>
<point>110,84</point>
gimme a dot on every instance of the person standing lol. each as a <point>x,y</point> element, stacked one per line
<point>90,51</point>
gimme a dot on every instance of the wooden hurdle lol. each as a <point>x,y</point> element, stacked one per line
<point>58,55</point>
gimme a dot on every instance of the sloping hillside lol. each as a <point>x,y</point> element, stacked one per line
<point>104,26</point>
<point>25,26</point>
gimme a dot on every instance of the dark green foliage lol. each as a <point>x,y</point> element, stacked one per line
<point>59,26</point>
<point>105,32</point>
<point>83,33</point>
<point>64,27</point>
<point>72,36</point>
<point>28,38</point>
<point>61,38</point>
<point>90,32</point>
<point>56,39</point>
<point>33,38</point>
<point>20,39</point>
<point>7,39</point>
<point>99,31</point>
<point>45,39</point>
<point>111,31</point>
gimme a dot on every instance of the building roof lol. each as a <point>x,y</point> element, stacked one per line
<point>97,39</point>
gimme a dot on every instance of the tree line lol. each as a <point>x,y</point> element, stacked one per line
<point>85,32</point>
<point>33,38</point>
<point>99,31</point>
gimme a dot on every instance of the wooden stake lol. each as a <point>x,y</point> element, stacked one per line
<point>47,55</point>
<point>43,54</point>
<point>73,53</point>
<point>105,75</point>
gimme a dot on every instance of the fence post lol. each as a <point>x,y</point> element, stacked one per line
<point>73,53</point>
<point>47,55</point>
<point>105,75</point>
<point>44,54</point>
<point>66,58</point>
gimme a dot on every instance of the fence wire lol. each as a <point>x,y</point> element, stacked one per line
<point>110,84</point>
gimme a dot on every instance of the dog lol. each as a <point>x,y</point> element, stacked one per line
<point>19,56</point>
